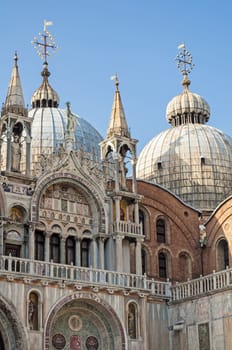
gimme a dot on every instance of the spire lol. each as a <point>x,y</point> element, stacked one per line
<point>118,125</point>
<point>14,100</point>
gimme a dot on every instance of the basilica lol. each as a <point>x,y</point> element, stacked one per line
<point>99,254</point>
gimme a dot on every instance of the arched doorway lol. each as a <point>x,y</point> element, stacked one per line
<point>84,321</point>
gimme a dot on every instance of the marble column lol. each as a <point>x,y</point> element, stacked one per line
<point>62,250</point>
<point>134,182</point>
<point>28,155</point>
<point>1,237</point>
<point>47,247</point>
<point>31,241</point>
<point>119,257</point>
<point>78,252</point>
<point>8,153</point>
<point>117,208</point>
<point>101,253</point>
<point>136,206</point>
<point>138,258</point>
<point>94,254</point>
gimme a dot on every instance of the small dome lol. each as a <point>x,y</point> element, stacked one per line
<point>193,161</point>
<point>45,95</point>
<point>187,107</point>
<point>48,133</point>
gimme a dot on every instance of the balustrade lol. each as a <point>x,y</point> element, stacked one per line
<point>214,282</point>
<point>127,227</point>
<point>88,276</point>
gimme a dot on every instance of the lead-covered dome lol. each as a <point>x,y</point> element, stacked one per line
<point>49,129</point>
<point>191,159</point>
<point>51,126</point>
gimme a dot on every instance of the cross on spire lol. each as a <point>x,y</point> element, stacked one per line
<point>46,44</point>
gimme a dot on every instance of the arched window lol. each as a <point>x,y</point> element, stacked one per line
<point>160,231</point>
<point>132,320</point>
<point>142,221</point>
<point>85,252</point>
<point>144,261</point>
<point>162,265</point>
<point>39,245</point>
<point>55,248</point>
<point>70,250</point>
<point>33,311</point>
<point>222,255</point>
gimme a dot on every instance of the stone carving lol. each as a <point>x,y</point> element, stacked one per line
<point>132,320</point>
<point>16,154</point>
<point>33,311</point>
<point>71,120</point>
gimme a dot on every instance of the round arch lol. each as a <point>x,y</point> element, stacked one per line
<point>92,317</point>
<point>11,328</point>
<point>95,200</point>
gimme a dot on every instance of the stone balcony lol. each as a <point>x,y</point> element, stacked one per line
<point>127,228</point>
<point>213,283</point>
<point>48,272</point>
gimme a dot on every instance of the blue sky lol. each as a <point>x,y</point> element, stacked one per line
<point>137,39</point>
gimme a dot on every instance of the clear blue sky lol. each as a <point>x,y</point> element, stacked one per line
<point>138,39</point>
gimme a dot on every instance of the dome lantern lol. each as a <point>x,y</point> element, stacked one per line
<point>187,107</point>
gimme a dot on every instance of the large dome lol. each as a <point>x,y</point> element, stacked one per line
<point>191,159</point>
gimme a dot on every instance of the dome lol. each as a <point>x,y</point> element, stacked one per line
<point>192,160</point>
<point>52,127</point>
<point>48,133</point>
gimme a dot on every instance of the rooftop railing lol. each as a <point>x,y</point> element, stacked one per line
<point>214,282</point>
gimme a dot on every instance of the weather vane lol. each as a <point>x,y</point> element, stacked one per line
<point>47,45</point>
<point>184,59</point>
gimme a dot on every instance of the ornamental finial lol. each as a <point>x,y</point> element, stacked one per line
<point>115,78</point>
<point>184,60</point>
<point>47,46</point>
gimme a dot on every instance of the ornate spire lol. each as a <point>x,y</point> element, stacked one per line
<point>45,95</point>
<point>118,124</point>
<point>14,102</point>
